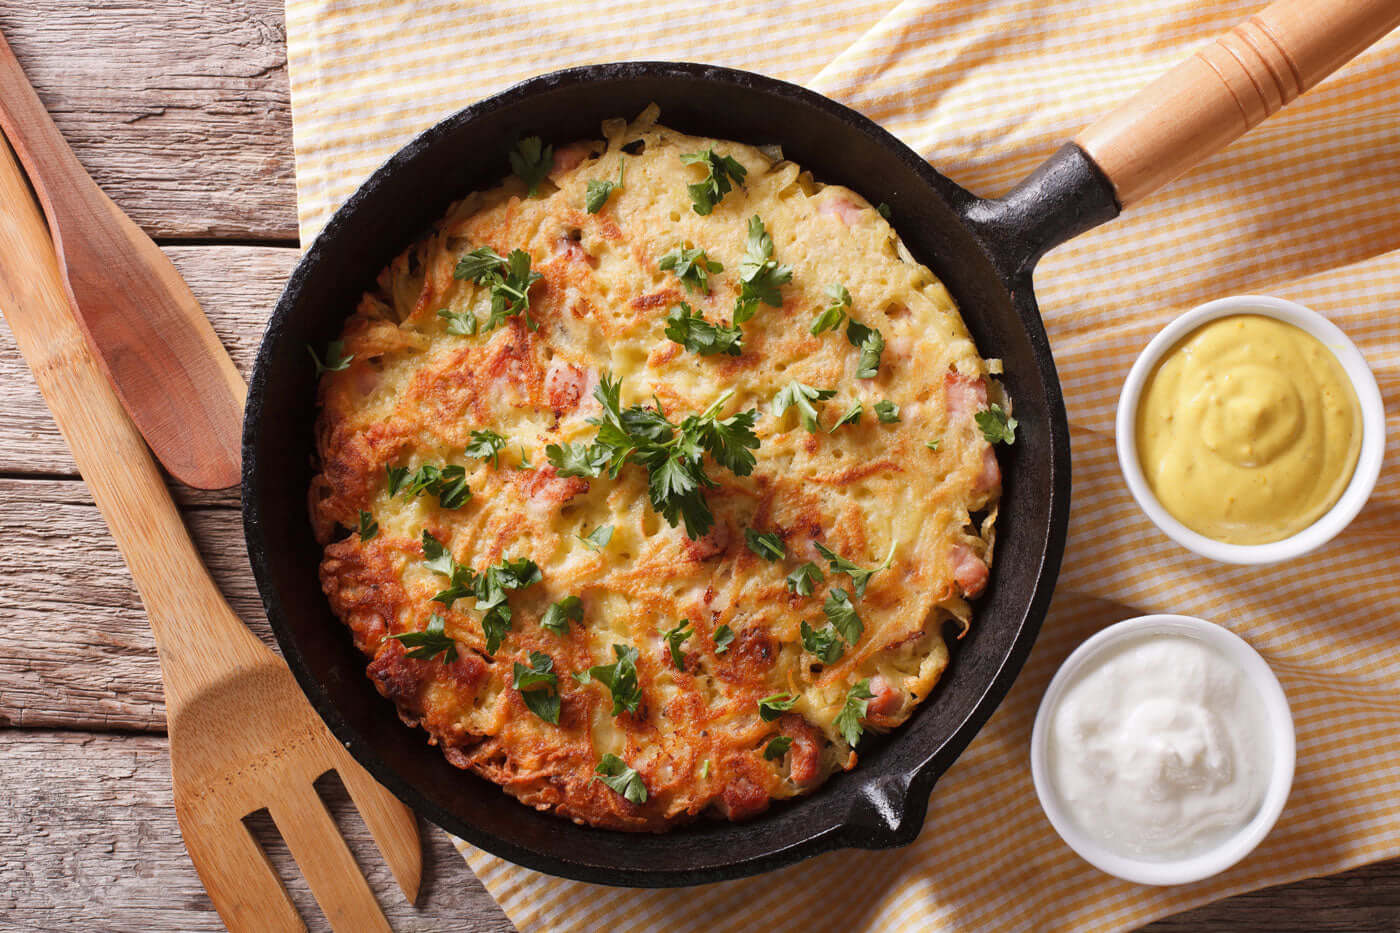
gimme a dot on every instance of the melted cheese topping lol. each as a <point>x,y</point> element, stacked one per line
<point>413,393</point>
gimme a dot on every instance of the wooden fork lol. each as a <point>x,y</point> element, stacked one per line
<point>242,734</point>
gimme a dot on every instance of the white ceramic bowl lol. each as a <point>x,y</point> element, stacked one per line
<point>1282,749</point>
<point>1368,464</point>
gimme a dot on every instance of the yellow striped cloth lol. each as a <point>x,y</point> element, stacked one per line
<point>1306,207</point>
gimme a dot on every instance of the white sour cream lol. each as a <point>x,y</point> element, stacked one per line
<point>1160,747</point>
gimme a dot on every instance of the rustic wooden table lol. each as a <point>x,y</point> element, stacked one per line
<point>180,109</point>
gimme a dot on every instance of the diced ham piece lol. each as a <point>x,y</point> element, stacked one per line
<point>571,250</point>
<point>965,396</point>
<point>990,477</point>
<point>805,766</point>
<point>564,385</point>
<point>546,486</point>
<point>886,700</point>
<point>969,571</point>
<point>741,798</point>
<point>842,208</point>
<point>709,545</point>
<point>567,158</point>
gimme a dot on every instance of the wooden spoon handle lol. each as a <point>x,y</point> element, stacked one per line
<point>196,631</point>
<point>1229,87</point>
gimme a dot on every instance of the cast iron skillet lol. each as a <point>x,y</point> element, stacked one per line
<point>983,250</point>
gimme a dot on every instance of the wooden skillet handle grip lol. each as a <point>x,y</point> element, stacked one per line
<point>1229,87</point>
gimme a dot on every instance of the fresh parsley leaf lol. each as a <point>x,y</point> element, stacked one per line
<point>850,417</point>
<point>766,544</point>
<point>510,294</point>
<point>448,483</point>
<point>998,427</point>
<point>577,459</point>
<point>690,329</point>
<point>495,625</point>
<point>336,360</point>
<point>691,266</point>
<point>777,748</point>
<point>934,444</point>
<point>620,677</point>
<point>824,642</point>
<point>436,556</point>
<point>724,636</point>
<point>531,161</point>
<point>886,411</point>
<point>461,323</point>
<point>461,579</point>
<point>801,580</point>
<point>486,445</point>
<point>524,463</point>
<point>835,312</point>
<point>538,686</point>
<point>452,490</point>
<point>842,616</point>
<point>853,711</point>
<point>801,396</point>
<point>598,538</point>
<point>760,276</point>
<point>883,210</point>
<point>490,589</point>
<point>478,264</point>
<point>397,476</point>
<point>558,616</point>
<point>859,577</point>
<point>675,638</point>
<point>431,642</point>
<point>704,769</point>
<point>368,526</point>
<point>871,343</point>
<point>770,708</point>
<point>720,170</point>
<point>599,190</point>
<point>613,771</point>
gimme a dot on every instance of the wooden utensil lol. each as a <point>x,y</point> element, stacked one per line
<point>242,734</point>
<point>142,323</point>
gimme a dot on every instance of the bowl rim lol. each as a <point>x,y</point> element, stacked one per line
<point>1368,464</point>
<point>1233,848</point>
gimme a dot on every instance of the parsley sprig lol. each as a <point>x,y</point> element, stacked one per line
<point>825,642</point>
<point>336,360</point>
<point>871,344</point>
<point>508,279</point>
<point>675,638</point>
<point>369,528</point>
<point>835,312</point>
<point>600,189</point>
<point>852,416</point>
<point>765,544</point>
<point>431,642</point>
<point>770,708</point>
<point>598,538</point>
<point>691,266</point>
<point>486,445</point>
<point>777,747</point>
<point>760,276</point>
<point>538,686</point>
<point>531,161</point>
<point>489,587</point>
<point>620,677</point>
<point>690,329</point>
<point>558,616</point>
<point>796,394</point>
<point>448,483</point>
<point>997,425</point>
<point>842,616</point>
<point>613,771</point>
<point>801,580</point>
<point>860,577</point>
<point>853,711</point>
<point>886,411</point>
<point>720,171</point>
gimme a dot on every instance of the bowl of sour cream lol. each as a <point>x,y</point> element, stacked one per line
<point>1163,750</point>
<point>1250,430</point>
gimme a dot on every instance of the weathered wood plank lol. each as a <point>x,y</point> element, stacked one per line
<point>237,287</point>
<point>88,841</point>
<point>181,111</point>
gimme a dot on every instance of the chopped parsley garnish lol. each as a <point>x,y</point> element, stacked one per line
<point>998,427</point>
<point>448,483</point>
<point>613,771</point>
<point>777,748</point>
<point>489,587</point>
<point>598,538</point>
<point>531,161</point>
<point>850,417</point>
<point>886,411</point>
<point>842,615</point>
<point>524,463</point>
<point>848,720</point>
<point>721,170</point>
<point>760,276</point>
<point>859,577</point>
<point>824,642</point>
<point>770,708</point>
<point>724,636</point>
<point>336,360</point>
<point>934,444</point>
<point>538,686</point>
<point>620,678</point>
<point>801,580</point>
<point>368,526</point>
<point>801,396</point>
<point>600,189</point>
<point>766,544</point>
<point>461,323</point>
<point>576,459</point>
<point>690,329</point>
<point>691,266</point>
<point>558,616</point>
<point>397,477</point>
<point>704,769</point>
<point>431,642</point>
<point>835,312</point>
<point>486,445</point>
<point>883,210</point>
<point>478,264</point>
<point>871,343</point>
<point>675,638</point>
<point>507,277</point>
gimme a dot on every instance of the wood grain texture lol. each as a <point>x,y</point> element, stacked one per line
<point>180,110</point>
<point>236,285</point>
<point>88,841</point>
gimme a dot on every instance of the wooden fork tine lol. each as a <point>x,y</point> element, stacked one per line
<point>393,826</point>
<point>326,862</point>
<point>245,888</point>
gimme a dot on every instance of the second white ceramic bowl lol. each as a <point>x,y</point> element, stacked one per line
<point>1368,464</point>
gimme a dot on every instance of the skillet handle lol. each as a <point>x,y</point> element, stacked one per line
<point>1228,88</point>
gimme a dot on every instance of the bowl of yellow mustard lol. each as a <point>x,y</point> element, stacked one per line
<point>1251,430</point>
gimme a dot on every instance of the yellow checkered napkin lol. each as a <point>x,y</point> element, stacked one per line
<point>1305,207</point>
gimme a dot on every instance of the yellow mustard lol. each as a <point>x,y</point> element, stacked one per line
<point>1248,430</point>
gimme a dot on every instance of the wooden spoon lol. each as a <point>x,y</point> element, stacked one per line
<point>141,321</point>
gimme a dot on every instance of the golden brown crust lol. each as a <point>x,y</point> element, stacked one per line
<point>413,393</point>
